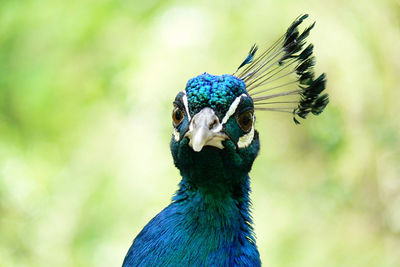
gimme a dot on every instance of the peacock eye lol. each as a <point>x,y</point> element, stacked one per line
<point>177,116</point>
<point>245,120</point>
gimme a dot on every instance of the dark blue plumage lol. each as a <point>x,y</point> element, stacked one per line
<point>214,146</point>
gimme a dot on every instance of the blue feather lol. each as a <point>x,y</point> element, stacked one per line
<point>249,57</point>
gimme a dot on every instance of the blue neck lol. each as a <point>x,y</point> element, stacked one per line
<point>219,223</point>
<point>216,206</point>
<point>208,222</point>
<point>215,188</point>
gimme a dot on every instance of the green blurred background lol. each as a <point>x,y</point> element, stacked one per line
<point>85,121</point>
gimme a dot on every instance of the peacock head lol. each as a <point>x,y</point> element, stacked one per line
<point>213,109</point>
<point>214,115</point>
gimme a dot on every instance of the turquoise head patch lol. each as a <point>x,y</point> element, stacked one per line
<point>216,92</point>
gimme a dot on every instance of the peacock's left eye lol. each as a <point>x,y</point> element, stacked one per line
<point>245,120</point>
<point>177,116</point>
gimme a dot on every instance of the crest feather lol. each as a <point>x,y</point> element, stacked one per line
<point>285,71</point>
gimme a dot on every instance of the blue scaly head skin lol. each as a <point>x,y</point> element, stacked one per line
<point>214,145</point>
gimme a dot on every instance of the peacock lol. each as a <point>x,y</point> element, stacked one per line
<point>214,144</point>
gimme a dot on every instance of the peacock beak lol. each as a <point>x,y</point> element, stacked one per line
<point>205,130</point>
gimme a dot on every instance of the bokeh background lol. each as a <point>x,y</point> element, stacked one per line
<point>85,121</point>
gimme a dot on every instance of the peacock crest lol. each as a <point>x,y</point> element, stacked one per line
<point>282,78</point>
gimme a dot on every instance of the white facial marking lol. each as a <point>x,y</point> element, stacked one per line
<point>185,103</point>
<point>176,135</point>
<point>246,139</point>
<point>232,109</point>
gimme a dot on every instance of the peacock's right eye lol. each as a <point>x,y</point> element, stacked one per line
<point>245,120</point>
<point>177,116</point>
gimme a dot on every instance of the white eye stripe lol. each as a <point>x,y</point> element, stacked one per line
<point>185,103</point>
<point>232,108</point>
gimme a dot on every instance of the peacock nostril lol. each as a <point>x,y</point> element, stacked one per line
<point>213,124</point>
